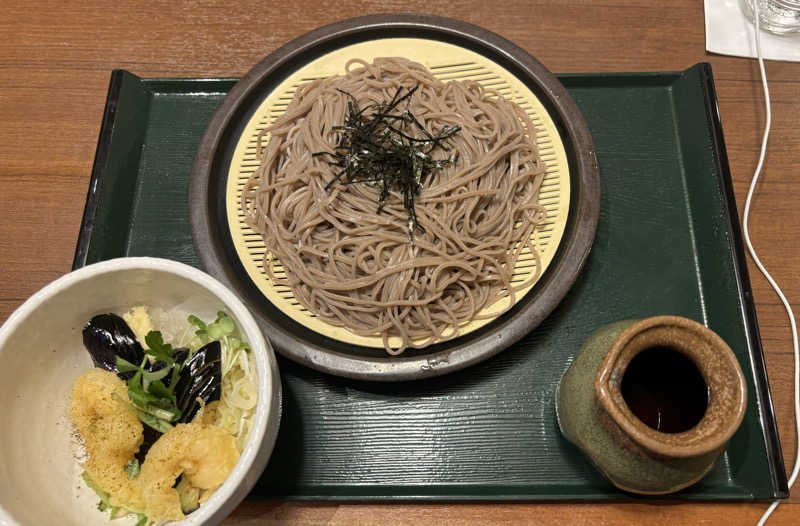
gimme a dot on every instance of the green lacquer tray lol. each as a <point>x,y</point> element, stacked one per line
<point>668,242</point>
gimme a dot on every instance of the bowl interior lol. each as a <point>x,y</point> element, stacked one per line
<point>42,353</point>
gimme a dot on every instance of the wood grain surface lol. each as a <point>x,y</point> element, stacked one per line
<point>55,62</point>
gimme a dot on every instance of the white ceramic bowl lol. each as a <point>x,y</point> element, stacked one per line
<point>41,354</point>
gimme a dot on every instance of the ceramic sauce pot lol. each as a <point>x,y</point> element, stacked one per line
<point>652,402</point>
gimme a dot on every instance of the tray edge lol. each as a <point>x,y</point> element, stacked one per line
<point>98,172</point>
<point>769,424</point>
<point>98,169</point>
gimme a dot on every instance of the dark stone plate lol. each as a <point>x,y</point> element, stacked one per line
<point>218,256</point>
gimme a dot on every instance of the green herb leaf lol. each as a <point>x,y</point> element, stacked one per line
<point>132,469</point>
<point>142,520</point>
<point>222,326</point>
<point>140,398</point>
<point>159,403</point>
<point>226,323</point>
<point>124,366</point>
<point>157,348</point>
<point>136,391</point>
<point>158,389</point>
<point>176,371</point>
<point>156,423</point>
<point>215,332</point>
<point>156,375</point>
<point>197,322</point>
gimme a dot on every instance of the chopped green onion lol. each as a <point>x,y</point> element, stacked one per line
<point>132,469</point>
<point>155,375</point>
<point>156,423</point>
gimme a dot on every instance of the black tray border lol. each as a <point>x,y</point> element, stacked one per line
<point>767,417</point>
<point>98,169</point>
<point>769,425</point>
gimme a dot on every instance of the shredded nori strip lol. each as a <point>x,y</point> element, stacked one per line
<point>379,148</point>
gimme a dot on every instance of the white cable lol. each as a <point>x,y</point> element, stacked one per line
<point>767,125</point>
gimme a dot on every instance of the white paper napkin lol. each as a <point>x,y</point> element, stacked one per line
<point>729,32</point>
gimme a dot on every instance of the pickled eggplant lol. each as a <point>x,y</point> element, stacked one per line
<point>200,379</point>
<point>107,336</point>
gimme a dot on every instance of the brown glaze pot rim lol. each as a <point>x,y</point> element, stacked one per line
<point>715,361</point>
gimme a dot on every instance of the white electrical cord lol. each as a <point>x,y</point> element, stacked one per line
<point>793,477</point>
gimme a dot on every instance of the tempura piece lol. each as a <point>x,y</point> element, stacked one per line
<point>111,431</point>
<point>204,454</point>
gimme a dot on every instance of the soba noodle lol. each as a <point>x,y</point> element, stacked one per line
<point>354,267</point>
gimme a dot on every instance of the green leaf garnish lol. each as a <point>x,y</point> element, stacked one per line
<point>215,332</point>
<point>136,391</point>
<point>225,323</point>
<point>156,423</point>
<point>132,469</point>
<point>176,371</point>
<point>156,375</point>
<point>158,389</point>
<point>197,322</point>
<point>157,348</point>
<point>124,366</point>
<point>222,326</point>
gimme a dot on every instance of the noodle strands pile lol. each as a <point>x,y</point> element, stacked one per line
<point>356,267</point>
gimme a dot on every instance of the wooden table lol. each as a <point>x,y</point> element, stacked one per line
<point>55,61</point>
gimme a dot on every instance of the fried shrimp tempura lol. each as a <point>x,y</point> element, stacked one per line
<point>112,434</point>
<point>111,431</point>
<point>204,454</point>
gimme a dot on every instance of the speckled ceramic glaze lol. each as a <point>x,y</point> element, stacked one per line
<point>593,414</point>
<point>42,352</point>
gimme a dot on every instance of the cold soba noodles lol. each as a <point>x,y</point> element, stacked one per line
<point>414,279</point>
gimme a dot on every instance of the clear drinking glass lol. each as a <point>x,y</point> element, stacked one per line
<point>776,16</point>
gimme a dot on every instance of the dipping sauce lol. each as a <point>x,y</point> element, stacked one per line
<point>665,390</point>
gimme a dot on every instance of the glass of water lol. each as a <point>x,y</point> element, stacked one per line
<point>777,16</point>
